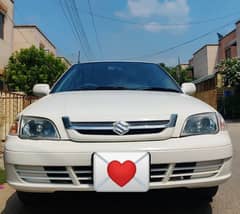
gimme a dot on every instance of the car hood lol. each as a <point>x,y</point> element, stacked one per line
<point>116,105</point>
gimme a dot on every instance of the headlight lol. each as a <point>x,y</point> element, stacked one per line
<point>38,128</point>
<point>14,128</point>
<point>199,124</point>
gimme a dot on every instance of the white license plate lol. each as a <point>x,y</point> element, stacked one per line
<point>121,171</point>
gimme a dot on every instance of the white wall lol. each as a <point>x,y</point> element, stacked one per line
<point>6,45</point>
<point>200,63</point>
<point>23,38</point>
<point>212,58</point>
<point>27,36</point>
<point>204,61</point>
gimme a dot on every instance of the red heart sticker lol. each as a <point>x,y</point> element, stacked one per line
<point>121,173</point>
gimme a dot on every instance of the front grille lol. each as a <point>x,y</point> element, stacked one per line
<point>83,175</point>
<point>106,128</point>
<point>128,127</point>
<point>184,171</point>
<point>56,174</point>
<point>158,172</point>
<point>111,132</point>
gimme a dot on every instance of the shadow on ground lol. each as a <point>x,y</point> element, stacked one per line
<point>165,202</point>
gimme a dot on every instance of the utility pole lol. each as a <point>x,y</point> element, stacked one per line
<point>79,54</point>
<point>179,70</point>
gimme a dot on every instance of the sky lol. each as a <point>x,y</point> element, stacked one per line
<point>136,30</point>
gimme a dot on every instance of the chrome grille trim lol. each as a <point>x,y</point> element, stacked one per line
<point>45,178</point>
<point>194,173</point>
<point>108,126</point>
<point>40,172</point>
<point>87,171</point>
<point>199,168</point>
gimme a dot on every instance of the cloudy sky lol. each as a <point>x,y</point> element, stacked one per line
<point>145,30</point>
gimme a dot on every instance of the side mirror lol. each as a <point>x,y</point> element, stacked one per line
<point>41,90</point>
<point>189,88</point>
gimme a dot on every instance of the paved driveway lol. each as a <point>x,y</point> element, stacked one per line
<point>227,200</point>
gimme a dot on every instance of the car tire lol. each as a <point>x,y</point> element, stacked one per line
<point>205,194</point>
<point>28,198</point>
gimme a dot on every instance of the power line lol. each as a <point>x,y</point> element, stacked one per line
<point>181,44</point>
<point>67,11</point>
<point>68,19</point>
<point>73,16</point>
<point>114,19</point>
<point>95,28</point>
<point>80,25</point>
<point>70,9</point>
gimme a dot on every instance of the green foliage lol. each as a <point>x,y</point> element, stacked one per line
<point>2,176</point>
<point>179,74</point>
<point>230,68</point>
<point>31,66</point>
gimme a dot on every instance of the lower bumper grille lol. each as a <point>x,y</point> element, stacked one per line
<point>184,171</point>
<point>56,174</point>
<point>83,175</point>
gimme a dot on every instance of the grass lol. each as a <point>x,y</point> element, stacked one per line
<point>2,176</point>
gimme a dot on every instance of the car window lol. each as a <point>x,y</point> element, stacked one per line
<point>118,75</point>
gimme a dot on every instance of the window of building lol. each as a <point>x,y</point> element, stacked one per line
<point>228,53</point>
<point>1,25</point>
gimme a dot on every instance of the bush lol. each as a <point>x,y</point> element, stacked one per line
<point>31,66</point>
<point>230,69</point>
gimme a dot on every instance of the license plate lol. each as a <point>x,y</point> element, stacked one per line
<point>121,171</point>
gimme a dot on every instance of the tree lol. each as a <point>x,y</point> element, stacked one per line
<point>230,69</point>
<point>179,74</point>
<point>31,66</point>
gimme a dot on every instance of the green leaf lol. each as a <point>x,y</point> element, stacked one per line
<point>28,67</point>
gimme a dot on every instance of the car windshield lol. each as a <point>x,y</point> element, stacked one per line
<point>116,76</point>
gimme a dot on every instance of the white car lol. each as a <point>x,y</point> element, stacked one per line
<point>100,119</point>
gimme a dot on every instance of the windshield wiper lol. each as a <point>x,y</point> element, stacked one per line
<point>104,88</point>
<point>124,88</point>
<point>161,89</point>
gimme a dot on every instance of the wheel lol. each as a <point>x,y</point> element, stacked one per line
<point>204,193</point>
<point>28,198</point>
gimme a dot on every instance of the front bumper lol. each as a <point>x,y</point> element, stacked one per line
<point>191,162</point>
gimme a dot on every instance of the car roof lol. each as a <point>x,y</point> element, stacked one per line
<point>117,61</point>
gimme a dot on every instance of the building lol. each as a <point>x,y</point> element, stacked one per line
<point>204,60</point>
<point>6,32</point>
<point>228,46</point>
<point>184,66</point>
<point>238,37</point>
<point>190,62</point>
<point>65,61</point>
<point>14,38</point>
<point>26,36</point>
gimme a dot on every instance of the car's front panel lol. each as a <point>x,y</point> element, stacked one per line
<point>183,162</point>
